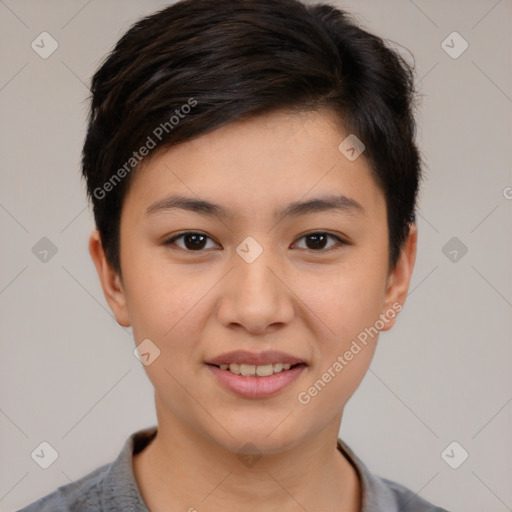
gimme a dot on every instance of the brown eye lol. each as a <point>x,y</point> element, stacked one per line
<point>317,241</point>
<point>192,241</point>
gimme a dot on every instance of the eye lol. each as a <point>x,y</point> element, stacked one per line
<point>193,241</point>
<point>316,241</point>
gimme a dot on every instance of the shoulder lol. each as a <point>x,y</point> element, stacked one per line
<point>110,488</point>
<point>407,500</point>
<point>380,494</point>
<point>82,495</point>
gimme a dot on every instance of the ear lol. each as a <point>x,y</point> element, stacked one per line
<point>399,279</point>
<point>110,281</point>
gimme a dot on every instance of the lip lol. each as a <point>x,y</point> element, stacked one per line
<point>256,387</point>
<point>256,358</point>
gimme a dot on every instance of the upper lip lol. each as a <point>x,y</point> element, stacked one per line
<point>255,358</point>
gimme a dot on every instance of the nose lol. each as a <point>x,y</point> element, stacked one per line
<point>256,296</point>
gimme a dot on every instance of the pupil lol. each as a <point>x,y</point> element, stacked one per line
<point>197,243</point>
<point>318,241</point>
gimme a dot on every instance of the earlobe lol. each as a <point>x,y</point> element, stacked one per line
<point>400,278</point>
<point>110,280</point>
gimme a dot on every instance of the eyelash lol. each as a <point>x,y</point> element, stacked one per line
<point>341,242</point>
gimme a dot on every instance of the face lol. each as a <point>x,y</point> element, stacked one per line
<point>293,259</point>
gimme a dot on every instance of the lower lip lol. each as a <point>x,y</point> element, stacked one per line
<point>257,387</point>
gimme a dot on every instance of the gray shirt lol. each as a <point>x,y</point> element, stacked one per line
<point>113,488</point>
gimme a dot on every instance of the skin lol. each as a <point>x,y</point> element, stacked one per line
<point>197,304</point>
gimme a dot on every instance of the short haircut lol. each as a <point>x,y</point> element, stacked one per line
<point>197,65</point>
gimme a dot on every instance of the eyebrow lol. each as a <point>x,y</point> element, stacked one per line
<point>330,202</point>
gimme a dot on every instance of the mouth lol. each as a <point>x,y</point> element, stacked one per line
<point>250,374</point>
<point>256,381</point>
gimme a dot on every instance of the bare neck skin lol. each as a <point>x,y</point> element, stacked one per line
<point>181,470</point>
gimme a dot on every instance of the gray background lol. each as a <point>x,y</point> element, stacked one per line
<point>67,372</point>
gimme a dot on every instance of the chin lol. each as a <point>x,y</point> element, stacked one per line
<point>256,441</point>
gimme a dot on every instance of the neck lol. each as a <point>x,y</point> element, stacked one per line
<point>181,469</point>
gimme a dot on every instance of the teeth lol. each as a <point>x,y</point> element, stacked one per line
<point>247,369</point>
<point>235,368</point>
<point>253,370</point>
<point>264,371</point>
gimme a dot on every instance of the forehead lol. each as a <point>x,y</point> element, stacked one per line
<point>263,160</point>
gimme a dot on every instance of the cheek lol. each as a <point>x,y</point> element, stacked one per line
<point>171,311</point>
<point>345,310</point>
<point>164,305</point>
<point>345,301</point>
